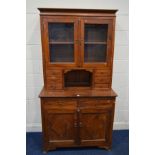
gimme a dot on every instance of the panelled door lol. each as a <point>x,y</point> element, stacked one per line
<point>88,126</point>
<point>96,42</point>
<point>60,126</point>
<point>60,37</point>
<point>94,126</point>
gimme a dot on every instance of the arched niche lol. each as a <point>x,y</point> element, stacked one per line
<point>78,78</point>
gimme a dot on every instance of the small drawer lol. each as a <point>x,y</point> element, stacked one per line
<point>102,73</point>
<point>96,103</point>
<point>102,79</point>
<point>102,85</point>
<point>54,79</point>
<point>54,73</point>
<point>59,103</point>
<point>54,82</point>
<point>54,85</point>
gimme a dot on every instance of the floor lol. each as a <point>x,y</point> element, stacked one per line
<point>120,146</point>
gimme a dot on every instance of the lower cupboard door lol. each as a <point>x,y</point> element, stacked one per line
<point>60,128</point>
<point>95,127</point>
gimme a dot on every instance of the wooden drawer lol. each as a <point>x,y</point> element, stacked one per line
<point>54,73</point>
<point>59,103</point>
<point>102,73</point>
<point>53,78</point>
<point>54,81</point>
<point>94,103</point>
<point>54,85</point>
<point>102,85</point>
<point>102,79</point>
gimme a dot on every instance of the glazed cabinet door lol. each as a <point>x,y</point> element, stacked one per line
<point>96,42</point>
<point>60,127</point>
<point>95,127</point>
<point>59,41</point>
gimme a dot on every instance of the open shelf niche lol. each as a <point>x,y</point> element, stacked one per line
<point>78,78</point>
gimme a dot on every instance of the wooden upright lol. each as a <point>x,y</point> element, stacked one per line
<point>77,101</point>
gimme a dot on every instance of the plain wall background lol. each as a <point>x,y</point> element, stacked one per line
<point>34,73</point>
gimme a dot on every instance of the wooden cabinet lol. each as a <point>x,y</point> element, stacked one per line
<point>70,122</point>
<point>77,101</point>
<point>77,41</point>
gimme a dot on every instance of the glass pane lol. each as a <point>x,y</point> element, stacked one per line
<point>95,53</point>
<point>61,39</point>
<point>61,32</point>
<point>61,53</point>
<point>96,32</point>
<point>95,41</point>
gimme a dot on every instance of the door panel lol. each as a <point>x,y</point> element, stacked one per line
<point>96,42</point>
<point>60,41</point>
<point>60,126</point>
<point>95,125</point>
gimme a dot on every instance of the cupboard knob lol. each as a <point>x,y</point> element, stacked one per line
<point>75,125</point>
<point>78,110</point>
<point>53,77</point>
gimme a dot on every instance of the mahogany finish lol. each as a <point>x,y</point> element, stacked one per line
<point>77,52</point>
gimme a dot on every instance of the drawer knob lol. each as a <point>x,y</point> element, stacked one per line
<point>78,110</point>
<point>75,125</point>
<point>78,95</point>
<point>80,124</point>
<point>53,77</point>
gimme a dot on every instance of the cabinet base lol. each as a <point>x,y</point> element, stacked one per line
<point>108,148</point>
<point>67,122</point>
